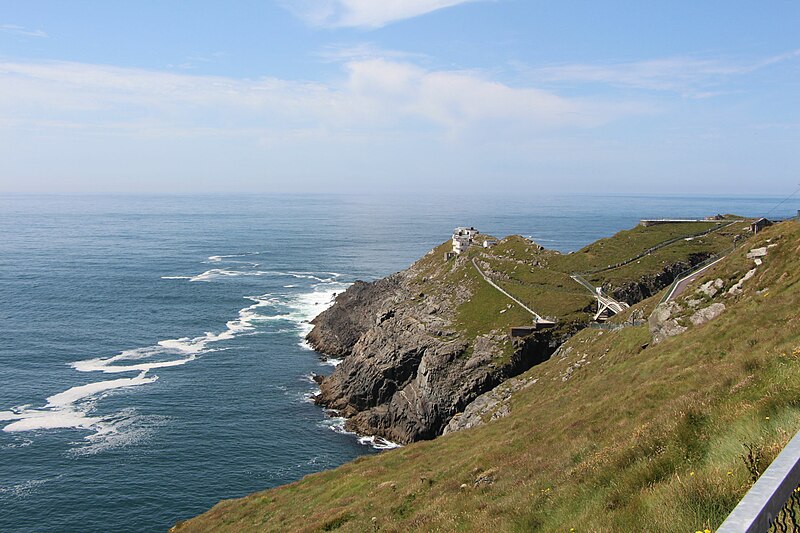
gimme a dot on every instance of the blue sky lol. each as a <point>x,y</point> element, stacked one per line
<point>680,97</point>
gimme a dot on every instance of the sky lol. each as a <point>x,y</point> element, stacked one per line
<point>388,96</point>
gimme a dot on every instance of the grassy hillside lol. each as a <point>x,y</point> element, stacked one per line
<point>613,433</point>
<point>540,278</point>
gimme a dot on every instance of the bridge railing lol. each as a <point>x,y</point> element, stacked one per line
<point>773,502</point>
<point>603,298</point>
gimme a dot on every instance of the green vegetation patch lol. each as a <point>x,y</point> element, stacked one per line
<point>613,434</point>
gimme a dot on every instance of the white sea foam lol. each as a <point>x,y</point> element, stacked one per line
<point>64,410</point>
<point>217,273</point>
<point>310,396</point>
<point>74,408</point>
<point>304,344</point>
<point>66,399</point>
<point>25,488</point>
<point>230,258</point>
<point>221,273</point>
<point>311,304</point>
<point>20,443</point>
<point>186,348</point>
<point>302,308</point>
<point>379,443</point>
<point>121,429</point>
<point>103,365</point>
<point>337,425</point>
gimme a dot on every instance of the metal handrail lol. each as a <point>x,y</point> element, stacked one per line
<point>764,501</point>
<point>691,270</point>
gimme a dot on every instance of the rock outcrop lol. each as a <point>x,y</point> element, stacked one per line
<point>410,364</point>
<point>663,323</point>
<point>673,318</point>
<point>491,405</point>
<point>337,329</point>
<point>406,372</point>
<point>650,284</point>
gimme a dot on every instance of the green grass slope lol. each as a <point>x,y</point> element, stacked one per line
<point>613,433</point>
<point>540,278</point>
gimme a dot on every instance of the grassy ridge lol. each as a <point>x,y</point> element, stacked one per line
<point>540,278</point>
<point>611,434</point>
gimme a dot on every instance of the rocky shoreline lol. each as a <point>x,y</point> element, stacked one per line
<point>409,372</point>
<point>405,373</point>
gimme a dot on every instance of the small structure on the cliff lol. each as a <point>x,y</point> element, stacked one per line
<point>759,224</point>
<point>524,331</point>
<point>657,221</point>
<point>488,243</point>
<point>463,238</point>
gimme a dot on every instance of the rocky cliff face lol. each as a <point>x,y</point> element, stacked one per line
<point>405,372</point>
<point>337,329</point>
<point>408,368</point>
<point>650,284</point>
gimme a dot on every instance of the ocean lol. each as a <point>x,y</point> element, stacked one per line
<point>152,358</point>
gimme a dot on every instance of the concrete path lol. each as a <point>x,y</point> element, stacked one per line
<point>538,319</point>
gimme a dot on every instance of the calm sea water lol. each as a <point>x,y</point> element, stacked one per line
<point>151,355</point>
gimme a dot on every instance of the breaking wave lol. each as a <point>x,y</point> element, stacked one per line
<point>337,424</point>
<point>75,407</point>
<point>215,274</point>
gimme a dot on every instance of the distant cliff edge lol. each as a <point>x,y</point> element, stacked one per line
<point>406,370</point>
<point>418,346</point>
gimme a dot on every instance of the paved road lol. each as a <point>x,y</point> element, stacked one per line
<point>683,283</point>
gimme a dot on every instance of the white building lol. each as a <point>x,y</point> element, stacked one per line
<point>463,238</point>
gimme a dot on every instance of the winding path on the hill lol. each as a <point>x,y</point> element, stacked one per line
<point>537,318</point>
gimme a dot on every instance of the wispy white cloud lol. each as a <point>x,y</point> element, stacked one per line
<point>364,13</point>
<point>21,30</point>
<point>376,96</point>
<point>689,76</point>
<point>343,53</point>
<point>193,62</point>
<point>377,119</point>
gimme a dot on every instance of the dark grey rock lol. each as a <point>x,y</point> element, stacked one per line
<point>400,378</point>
